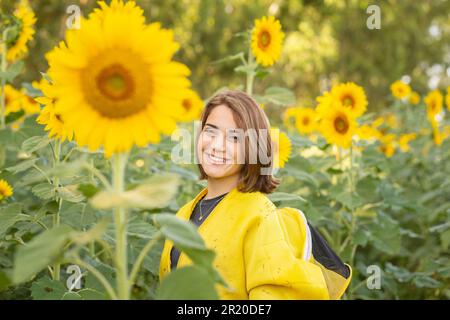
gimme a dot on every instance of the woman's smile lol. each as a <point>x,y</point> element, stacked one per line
<point>216,160</point>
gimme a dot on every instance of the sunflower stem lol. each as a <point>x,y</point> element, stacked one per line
<point>250,73</point>
<point>56,217</point>
<point>4,65</point>
<point>120,220</point>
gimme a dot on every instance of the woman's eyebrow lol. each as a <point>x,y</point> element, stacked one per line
<point>211,125</point>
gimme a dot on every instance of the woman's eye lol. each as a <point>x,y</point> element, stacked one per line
<point>210,132</point>
<point>233,138</point>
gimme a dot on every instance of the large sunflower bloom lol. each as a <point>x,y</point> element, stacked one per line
<point>48,116</point>
<point>282,147</point>
<point>267,40</point>
<point>351,96</point>
<point>400,90</point>
<point>5,190</point>
<point>27,19</point>
<point>115,82</point>
<point>338,126</point>
<point>306,120</point>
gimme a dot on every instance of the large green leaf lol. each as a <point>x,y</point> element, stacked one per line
<point>187,283</point>
<point>386,234</point>
<point>47,289</point>
<point>185,237</point>
<point>40,252</point>
<point>156,192</point>
<point>279,96</point>
<point>35,143</point>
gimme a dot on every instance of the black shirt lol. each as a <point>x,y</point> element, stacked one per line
<point>197,217</point>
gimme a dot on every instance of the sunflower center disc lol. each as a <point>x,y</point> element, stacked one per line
<point>341,125</point>
<point>305,121</point>
<point>348,101</point>
<point>117,84</point>
<point>187,105</point>
<point>264,39</point>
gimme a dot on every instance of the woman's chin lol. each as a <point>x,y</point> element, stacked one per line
<point>215,171</point>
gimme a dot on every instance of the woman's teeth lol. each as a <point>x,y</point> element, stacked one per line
<point>215,159</point>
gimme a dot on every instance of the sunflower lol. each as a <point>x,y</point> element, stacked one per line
<point>12,99</point>
<point>282,147</point>
<point>391,120</point>
<point>367,132</point>
<point>52,120</point>
<point>434,102</point>
<point>324,103</point>
<point>290,116</point>
<point>387,145</point>
<point>306,120</point>
<point>379,121</point>
<point>403,141</point>
<point>192,105</point>
<point>351,96</point>
<point>115,82</point>
<point>400,90</point>
<point>5,190</point>
<point>267,40</point>
<point>338,126</point>
<point>437,136</point>
<point>27,19</point>
<point>28,104</point>
<point>414,98</point>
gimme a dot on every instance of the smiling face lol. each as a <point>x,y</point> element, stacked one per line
<point>219,147</point>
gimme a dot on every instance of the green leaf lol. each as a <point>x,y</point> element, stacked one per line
<point>5,281</point>
<point>44,191</point>
<point>279,96</point>
<point>285,197</point>
<point>185,237</point>
<point>47,289</point>
<point>386,234</point>
<point>22,166</point>
<point>70,194</point>
<point>156,192</point>
<point>424,281</point>
<point>9,215</point>
<point>12,72</point>
<point>367,188</point>
<point>35,143</point>
<point>183,233</point>
<point>40,252</point>
<point>92,234</point>
<point>401,274</point>
<point>88,190</point>
<point>350,200</point>
<point>187,283</point>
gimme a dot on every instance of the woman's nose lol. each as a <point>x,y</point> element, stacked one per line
<point>218,144</point>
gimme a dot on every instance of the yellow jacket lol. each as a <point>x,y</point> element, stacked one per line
<point>261,252</point>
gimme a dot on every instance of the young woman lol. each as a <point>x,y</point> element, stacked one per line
<point>261,252</point>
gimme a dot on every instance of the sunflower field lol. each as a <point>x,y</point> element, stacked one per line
<point>93,97</point>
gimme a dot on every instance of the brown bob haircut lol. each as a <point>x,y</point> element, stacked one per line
<point>247,115</point>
